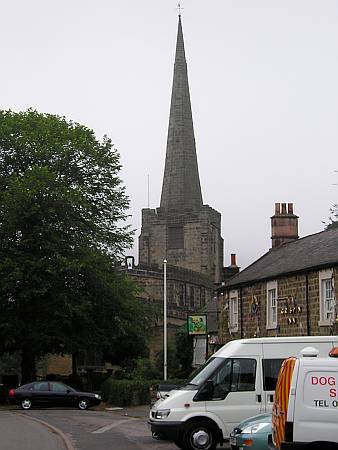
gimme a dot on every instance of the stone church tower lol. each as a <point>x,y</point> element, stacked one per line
<point>182,230</point>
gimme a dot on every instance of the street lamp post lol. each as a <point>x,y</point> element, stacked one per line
<point>165,319</point>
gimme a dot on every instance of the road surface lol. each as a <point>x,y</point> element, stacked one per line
<point>94,429</point>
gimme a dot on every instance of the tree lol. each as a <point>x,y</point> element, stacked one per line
<point>62,231</point>
<point>180,355</point>
<point>184,351</point>
<point>333,220</point>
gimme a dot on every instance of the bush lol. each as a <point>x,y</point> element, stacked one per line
<point>144,369</point>
<point>126,392</point>
<point>130,392</point>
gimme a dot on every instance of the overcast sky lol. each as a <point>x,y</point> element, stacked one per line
<point>264,89</point>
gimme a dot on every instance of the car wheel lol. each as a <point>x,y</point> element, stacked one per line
<point>83,403</point>
<point>200,435</point>
<point>179,443</point>
<point>26,403</point>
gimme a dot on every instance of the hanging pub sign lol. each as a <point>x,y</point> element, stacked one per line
<point>197,324</point>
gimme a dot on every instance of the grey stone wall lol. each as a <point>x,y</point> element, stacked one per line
<point>187,291</point>
<point>202,249</point>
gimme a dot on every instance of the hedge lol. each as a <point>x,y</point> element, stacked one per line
<point>130,392</point>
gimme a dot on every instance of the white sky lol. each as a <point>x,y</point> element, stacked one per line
<point>264,89</point>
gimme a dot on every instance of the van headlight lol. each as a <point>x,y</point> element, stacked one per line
<point>162,413</point>
<point>254,428</point>
<point>97,396</point>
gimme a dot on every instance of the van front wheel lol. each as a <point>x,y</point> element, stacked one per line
<point>200,435</point>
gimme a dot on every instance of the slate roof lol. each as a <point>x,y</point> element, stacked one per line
<point>318,250</point>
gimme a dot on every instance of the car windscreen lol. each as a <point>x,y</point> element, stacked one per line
<point>69,388</point>
<point>204,372</point>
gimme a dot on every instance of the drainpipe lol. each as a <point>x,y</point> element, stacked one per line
<point>241,309</point>
<point>307,304</point>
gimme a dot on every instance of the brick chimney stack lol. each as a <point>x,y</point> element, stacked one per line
<point>284,224</point>
<point>230,271</point>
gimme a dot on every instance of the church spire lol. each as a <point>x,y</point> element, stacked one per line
<point>181,190</point>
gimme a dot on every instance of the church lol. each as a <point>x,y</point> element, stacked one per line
<point>182,230</point>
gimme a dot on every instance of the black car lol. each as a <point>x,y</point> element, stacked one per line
<point>51,393</point>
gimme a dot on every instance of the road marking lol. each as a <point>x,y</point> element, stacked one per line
<point>112,425</point>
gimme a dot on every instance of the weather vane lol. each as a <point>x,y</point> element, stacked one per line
<point>179,7</point>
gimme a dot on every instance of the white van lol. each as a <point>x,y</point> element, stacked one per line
<point>305,411</point>
<point>237,382</point>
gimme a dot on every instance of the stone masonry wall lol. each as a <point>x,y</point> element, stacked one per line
<point>186,292</point>
<point>200,248</point>
<point>296,316</point>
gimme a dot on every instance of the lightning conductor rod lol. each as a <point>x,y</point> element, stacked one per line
<point>148,183</point>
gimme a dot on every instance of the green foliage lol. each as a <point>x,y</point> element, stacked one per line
<point>131,392</point>
<point>333,221</point>
<point>58,171</point>
<point>62,208</point>
<point>145,370</point>
<point>126,392</point>
<point>172,362</point>
<point>179,355</point>
<point>184,352</point>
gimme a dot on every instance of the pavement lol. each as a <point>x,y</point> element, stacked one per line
<point>19,431</point>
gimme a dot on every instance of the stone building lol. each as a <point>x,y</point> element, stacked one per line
<point>289,291</point>
<point>182,230</point>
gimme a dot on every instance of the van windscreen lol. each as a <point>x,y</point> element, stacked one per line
<point>204,372</point>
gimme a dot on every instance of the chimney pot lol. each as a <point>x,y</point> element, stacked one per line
<point>290,208</point>
<point>233,259</point>
<point>283,208</point>
<point>277,208</point>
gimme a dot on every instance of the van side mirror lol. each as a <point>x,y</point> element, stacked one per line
<point>206,392</point>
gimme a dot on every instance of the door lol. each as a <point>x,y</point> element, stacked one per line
<point>237,391</point>
<point>62,394</point>
<point>41,393</point>
<point>280,407</point>
<point>274,354</point>
<point>271,368</point>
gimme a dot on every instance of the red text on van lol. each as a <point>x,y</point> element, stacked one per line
<point>323,381</point>
<point>333,392</point>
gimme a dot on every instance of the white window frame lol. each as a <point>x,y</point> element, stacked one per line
<point>324,277</point>
<point>271,305</point>
<point>233,311</point>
